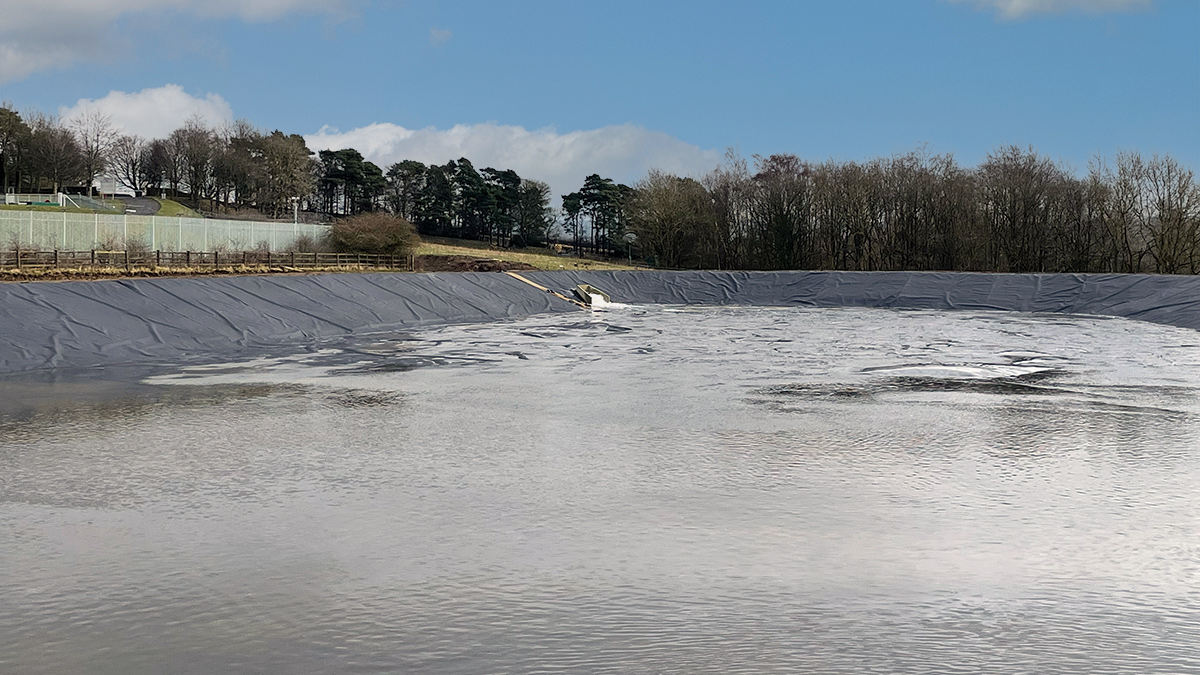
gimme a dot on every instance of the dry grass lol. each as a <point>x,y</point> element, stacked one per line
<point>541,259</point>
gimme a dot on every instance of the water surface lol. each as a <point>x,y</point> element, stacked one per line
<point>647,489</point>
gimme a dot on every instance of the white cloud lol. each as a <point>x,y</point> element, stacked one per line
<point>438,36</point>
<point>1017,9</point>
<point>623,153</point>
<point>154,113</point>
<point>40,34</point>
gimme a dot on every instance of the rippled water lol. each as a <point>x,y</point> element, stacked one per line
<point>646,489</point>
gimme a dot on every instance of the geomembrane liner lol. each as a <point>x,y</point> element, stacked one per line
<point>143,321</point>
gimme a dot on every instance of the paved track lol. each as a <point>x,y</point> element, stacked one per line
<point>139,206</point>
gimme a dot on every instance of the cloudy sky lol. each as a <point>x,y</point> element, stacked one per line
<point>557,89</point>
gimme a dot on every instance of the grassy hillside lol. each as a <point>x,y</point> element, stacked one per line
<point>541,259</point>
<point>170,208</point>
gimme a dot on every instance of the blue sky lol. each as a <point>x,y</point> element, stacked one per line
<point>560,89</point>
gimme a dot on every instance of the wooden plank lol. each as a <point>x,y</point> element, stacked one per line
<point>556,294</point>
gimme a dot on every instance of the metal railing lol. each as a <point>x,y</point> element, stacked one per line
<point>82,202</point>
<point>33,198</point>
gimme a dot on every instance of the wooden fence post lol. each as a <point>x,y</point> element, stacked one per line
<point>126,259</point>
<point>56,254</point>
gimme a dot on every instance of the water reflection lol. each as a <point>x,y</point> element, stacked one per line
<point>646,490</point>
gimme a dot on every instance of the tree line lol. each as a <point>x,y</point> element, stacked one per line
<point>449,200</point>
<point>229,168</point>
<point>238,167</point>
<point>1016,212</point>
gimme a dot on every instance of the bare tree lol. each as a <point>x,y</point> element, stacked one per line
<point>200,147</point>
<point>670,216</point>
<point>128,162</point>
<point>54,158</point>
<point>847,211</point>
<point>285,165</point>
<point>1124,209</point>
<point>1017,212</point>
<point>730,188</point>
<point>170,160</point>
<point>534,217</point>
<point>1019,193</point>
<point>95,134</point>
<point>14,139</point>
<point>781,212</point>
<point>238,168</point>
<point>1173,224</point>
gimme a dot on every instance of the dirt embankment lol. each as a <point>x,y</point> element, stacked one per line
<point>424,263</point>
<point>94,273</point>
<point>462,263</point>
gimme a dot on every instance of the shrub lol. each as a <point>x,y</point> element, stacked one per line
<point>306,243</point>
<point>137,246</point>
<point>380,233</point>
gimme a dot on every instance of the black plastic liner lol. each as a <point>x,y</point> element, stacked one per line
<point>1172,300</point>
<point>143,321</point>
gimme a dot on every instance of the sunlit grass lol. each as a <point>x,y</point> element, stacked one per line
<point>171,208</point>
<point>542,259</point>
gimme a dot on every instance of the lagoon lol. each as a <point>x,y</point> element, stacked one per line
<point>644,489</point>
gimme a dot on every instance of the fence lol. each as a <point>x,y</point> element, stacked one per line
<point>60,199</point>
<point>85,231</point>
<point>23,259</point>
<point>81,202</point>
<point>37,198</point>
